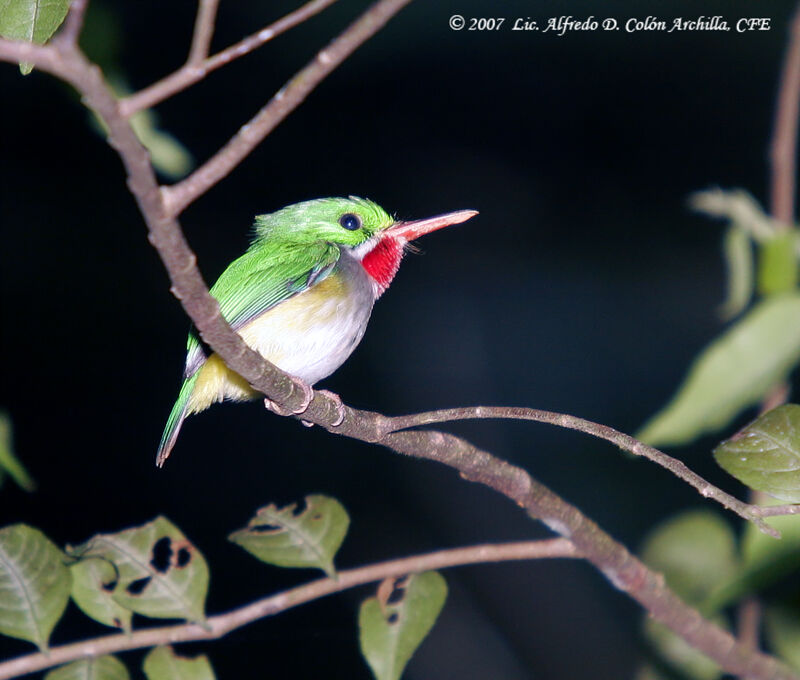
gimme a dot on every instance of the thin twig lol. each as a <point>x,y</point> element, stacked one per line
<point>775,510</point>
<point>784,141</point>
<point>222,624</point>
<point>203,31</point>
<point>748,625</point>
<point>624,441</point>
<point>73,24</point>
<point>288,98</point>
<point>194,71</point>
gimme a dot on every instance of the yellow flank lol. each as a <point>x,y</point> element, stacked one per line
<point>278,335</point>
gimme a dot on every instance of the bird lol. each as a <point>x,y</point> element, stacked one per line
<point>301,296</point>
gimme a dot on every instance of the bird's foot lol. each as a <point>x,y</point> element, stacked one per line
<point>308,395</point>
<point>340,409</point>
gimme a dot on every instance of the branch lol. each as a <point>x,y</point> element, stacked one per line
<point>222,624</point>
<point>621,568</point>
<point>196,68</point>
<point>203,31</point>
<point>288,98</point>
<point>784,141</point>
<point>71,28</point>
<point>752,513</point>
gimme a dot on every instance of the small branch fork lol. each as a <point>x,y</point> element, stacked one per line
<point>159,208</point>
<point>199,64</point>
<point>222,624</point>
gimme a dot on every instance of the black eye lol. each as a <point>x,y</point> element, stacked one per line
<point>350,221</point>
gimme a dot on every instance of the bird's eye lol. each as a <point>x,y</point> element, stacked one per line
<point>350,221</point>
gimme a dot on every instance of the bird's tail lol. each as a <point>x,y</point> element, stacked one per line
<point>175,420</point>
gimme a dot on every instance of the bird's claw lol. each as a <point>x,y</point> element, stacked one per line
<point>308,395</point>
<point>340,410</point>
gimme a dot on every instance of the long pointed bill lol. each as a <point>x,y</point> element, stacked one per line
<point>412,230</point>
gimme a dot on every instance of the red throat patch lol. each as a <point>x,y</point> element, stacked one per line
<point>383,261</point>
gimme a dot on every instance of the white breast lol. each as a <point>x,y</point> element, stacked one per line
<point>313,333</point>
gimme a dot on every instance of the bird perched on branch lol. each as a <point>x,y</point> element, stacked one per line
<point>301,296</point>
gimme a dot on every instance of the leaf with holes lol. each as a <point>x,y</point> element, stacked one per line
<point>31,20</point>
<point>395,622</point>
<point>98,668</point>
<point>93,583</point>
<point>733,372</point>
<point>162,663</point>
<point>34,584</point>
<point>160,573</point>
<point>296,537</point>
<point>9,463</point>
<point>765,455</point>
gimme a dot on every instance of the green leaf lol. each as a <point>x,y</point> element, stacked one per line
<point>696,552</point>
<point>163,664</point>
<point>161,574</point>
<point>782,627</point>
<point>34,583</point>
<point>290,537</point>
<point>171,158</point>
<point>94,668</point>
<point>93,582</point>
<point>777,263</point>
<point>739,261</point>
<point>765,455</point>
<point>393,624</point>
<point>733,372</point>
<point>31,20</point>
<point>679,654</point>
<point>8,461</point>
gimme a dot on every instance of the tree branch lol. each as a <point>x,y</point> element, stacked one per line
<point>196,69</point>
<point>203,31</point>
<point>784,141</point>
<point>751,513</point>
<point>73,24</point>
<point>222,624</point>
<point>288,98</point>
<point>622,569</point>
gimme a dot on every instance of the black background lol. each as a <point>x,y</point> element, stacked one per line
<point>584,286</point>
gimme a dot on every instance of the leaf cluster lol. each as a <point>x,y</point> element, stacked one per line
<point>154,571</point>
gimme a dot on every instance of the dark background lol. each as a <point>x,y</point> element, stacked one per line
<point>584,286</point>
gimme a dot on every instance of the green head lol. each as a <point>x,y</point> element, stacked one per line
<point>341,221</point>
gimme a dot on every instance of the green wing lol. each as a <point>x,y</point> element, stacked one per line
<point>257,282</point>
